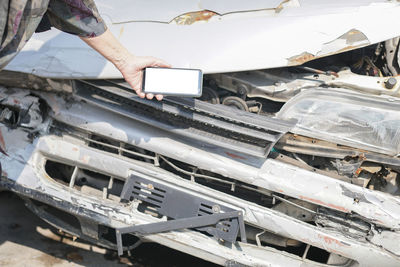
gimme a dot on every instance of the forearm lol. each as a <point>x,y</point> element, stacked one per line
<point>109,47</point>
<point>81,17</point>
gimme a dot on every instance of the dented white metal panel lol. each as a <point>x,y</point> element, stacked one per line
<point>166,11</point>
<point>34,177</point>
<point>233,42</point>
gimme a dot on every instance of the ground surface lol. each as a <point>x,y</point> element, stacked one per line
<point>25,240</point>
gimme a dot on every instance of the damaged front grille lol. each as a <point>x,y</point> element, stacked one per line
<point>184,170</point>
<point>98,163</point>
<point>213,124</point>
<point>148,197</point>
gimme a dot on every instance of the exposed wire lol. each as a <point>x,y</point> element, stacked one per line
<point>193,173</point>
<point>294,204</point>
<point>329,72</point>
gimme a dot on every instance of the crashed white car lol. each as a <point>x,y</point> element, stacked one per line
<point>290,157</point>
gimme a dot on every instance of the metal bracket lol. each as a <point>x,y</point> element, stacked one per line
<point>183,210</point>
<point>186,223</point>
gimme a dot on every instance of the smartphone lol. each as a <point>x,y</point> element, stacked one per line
<point>173,81</point>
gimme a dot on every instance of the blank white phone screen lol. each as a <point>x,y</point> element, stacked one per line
<point>172,81</point>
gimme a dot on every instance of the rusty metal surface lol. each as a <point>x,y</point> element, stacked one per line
<point>193,17</point>
<point>348,41</point>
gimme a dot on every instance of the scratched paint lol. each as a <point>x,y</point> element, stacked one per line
<point>234,42</point>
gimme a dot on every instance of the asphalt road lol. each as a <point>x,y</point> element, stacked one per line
<point>26,240</point>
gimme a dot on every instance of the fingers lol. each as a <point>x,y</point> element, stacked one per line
<point>158,97</point>
<point>133,74</point>
<point>140,93</point>
<point>148,96</point>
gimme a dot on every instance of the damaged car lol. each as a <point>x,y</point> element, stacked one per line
<point>289,158</point>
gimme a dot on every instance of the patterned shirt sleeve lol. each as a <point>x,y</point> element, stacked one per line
<point>78,17</point>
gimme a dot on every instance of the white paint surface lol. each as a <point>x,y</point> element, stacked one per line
<point>232,42</point>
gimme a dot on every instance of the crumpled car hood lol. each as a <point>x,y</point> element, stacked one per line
<point>275,35</point>
<point>166,11</point>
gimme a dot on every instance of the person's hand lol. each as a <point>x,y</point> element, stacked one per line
<point>129,65</point>
<point>132,70</point>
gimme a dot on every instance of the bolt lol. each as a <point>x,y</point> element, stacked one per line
<point>390,83</point>
<point>242,90</point>
<point>216,209</point>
